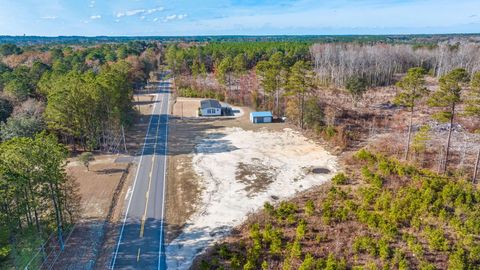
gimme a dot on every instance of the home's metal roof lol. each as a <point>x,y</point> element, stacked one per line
<point>261,114</point>
<point>210,103</point>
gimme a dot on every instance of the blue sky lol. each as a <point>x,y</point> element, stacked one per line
<point>235,17</point>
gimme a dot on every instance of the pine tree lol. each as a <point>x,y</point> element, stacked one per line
<point>413,88</point>
<point>300,83</point>
<point>447,97</point>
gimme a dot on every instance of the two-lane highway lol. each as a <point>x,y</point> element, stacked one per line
<point>140,244</point>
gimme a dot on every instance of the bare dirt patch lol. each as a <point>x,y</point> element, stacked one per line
<point>186,130</point>
<point>256,177</point>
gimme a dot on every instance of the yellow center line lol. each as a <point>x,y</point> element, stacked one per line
<point>150,176</point>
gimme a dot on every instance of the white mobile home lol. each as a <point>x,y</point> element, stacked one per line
<point>210,107</point>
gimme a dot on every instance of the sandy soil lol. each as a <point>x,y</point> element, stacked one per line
<point>221,170</point>
<point>186,130</point>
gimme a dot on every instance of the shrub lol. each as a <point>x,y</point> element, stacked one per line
<point>327,212</point>
<point>427,266</point>
<point>384,250</point>
<point>250,265</point>
<point>329,132</point>
<point>436,239</point>
<point>340,179</point>
<point>286,211</point>
<point>458,260</point>
<point>365,244</point>
<point>321,238</point>
<point>333,264</point>
<point>269,208</point>
<point>309,208</point>
<point>85,158</point>
<point>276,243</point>
<point>386,167</point>
<point>235,262</point>
<point>308,263</point>
<point>301,229</point>
<point>364,155</point>
<point>296,250</point>
<point>204,265</point>
<point>224,252</point>
<point>264,265</point>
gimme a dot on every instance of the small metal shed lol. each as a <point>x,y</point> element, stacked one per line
<point>261,117</point>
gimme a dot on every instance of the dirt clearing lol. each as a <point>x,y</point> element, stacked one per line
<point>229,172</point>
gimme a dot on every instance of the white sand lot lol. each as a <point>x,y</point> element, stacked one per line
<point>240,170</point>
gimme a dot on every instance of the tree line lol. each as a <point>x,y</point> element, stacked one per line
<point>377,64</point>
<point>288,79</point>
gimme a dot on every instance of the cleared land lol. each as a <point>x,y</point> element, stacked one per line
<point>221,170</point>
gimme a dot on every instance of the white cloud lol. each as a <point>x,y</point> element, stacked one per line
<point>156,19</point>
<point>174,17</point>
<point>171,17</point>
<point>139,12</point>
<point>130,12</point>
<point>152,10</point>
<point>49,17</point>
<point>95,17</point>
<point>92,4</point>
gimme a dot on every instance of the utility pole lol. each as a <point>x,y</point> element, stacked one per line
<point>124,142</point>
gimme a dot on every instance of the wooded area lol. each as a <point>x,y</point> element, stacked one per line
<point>55,99</point>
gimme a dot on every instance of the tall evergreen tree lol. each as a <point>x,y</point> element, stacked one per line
<point>300,83</point>
<point>413,88</point>
<point>447,97</point>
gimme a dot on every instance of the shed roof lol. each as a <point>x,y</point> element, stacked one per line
<point>210,103</point>
<point>261,114</point>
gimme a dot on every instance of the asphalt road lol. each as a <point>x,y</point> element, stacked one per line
<point>141,241</point>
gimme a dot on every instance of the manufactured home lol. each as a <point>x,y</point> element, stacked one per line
<point>210,107</point>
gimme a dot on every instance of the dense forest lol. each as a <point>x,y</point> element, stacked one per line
<point>53,100</point>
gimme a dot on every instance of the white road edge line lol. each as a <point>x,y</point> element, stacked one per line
<point>164,180</point>
<point>112,265</point>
